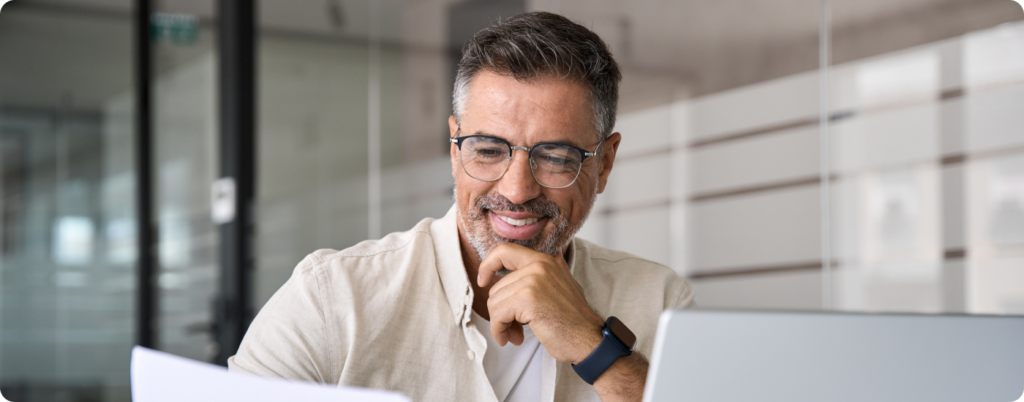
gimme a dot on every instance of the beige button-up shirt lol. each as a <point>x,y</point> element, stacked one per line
<point>395,314</point>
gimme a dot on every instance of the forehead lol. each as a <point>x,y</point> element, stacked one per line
<point>525,112</point>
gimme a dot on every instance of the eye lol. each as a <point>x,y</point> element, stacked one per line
<point>554,160</point>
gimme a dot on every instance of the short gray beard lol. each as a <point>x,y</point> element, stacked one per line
<point>482,237</point>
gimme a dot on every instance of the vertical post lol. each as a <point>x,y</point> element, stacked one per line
<point>145,332</point>
<point>373,123</point>
<point>824,117</point>
<point>237,80</point>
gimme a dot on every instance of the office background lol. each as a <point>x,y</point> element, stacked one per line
<point>891,180</point>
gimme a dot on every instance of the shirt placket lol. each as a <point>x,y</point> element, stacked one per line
<point>476,341</point>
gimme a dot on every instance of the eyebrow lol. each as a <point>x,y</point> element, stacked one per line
<point>542,142</point>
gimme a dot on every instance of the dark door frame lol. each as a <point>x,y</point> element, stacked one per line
<point>146,229</point>
<point>237,82</point>
<point>236,51</point>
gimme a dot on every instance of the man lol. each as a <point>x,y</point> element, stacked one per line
<point>497,300</point>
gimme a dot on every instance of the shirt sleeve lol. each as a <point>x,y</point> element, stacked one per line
<point>288,338</point>
<point>683,295</point>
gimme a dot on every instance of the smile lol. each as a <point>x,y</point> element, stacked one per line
<point>518,226</point>
<point>518,222</point>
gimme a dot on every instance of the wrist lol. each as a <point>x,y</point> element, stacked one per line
<point>590,340</point>
<point>616,341</point>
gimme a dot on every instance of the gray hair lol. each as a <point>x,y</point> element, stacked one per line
<point>538,44</point>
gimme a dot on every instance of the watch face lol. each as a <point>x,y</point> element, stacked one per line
<point>620,331</point>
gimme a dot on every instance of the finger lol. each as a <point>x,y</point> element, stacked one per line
<point>503,282</point>
<point>506,316</point>
<point>496,260</point>
<point>499,328</point>
<point>511,279</point>
<point>506,255</point>
<point>504,333</point>
<point>515,333</point>
<point>506,289</point>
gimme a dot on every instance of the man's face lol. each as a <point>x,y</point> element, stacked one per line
<point>516,208</point>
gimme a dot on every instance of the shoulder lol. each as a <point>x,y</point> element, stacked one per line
<point>615,258</point>
<point>385,266</point>
<point>617,262</point>
<point>368,253</point>
<point>391,243</point>
<point>631,273</point>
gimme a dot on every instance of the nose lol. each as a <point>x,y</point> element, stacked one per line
<point>518,184</point>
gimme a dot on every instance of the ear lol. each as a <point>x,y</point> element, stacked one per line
<point>453,129</point>
<point>611,145</point>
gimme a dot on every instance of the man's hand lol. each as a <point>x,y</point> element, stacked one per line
<point>539,291</point>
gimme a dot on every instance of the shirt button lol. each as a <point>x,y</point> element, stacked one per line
<point>469,300</point>
<point>470,355</point>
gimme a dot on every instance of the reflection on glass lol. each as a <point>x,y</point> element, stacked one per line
<point>721,103</point>
<point>995,208</point>
<point>994,57</point>
<point>67,213</point>
<point>72,240</point>
<point>932,145</point>
<point>898,78</point>
<point>186,137</point>
<point>1007,202</point>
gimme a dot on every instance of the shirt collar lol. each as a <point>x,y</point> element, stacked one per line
<point>448,256</point>
<point>450,267</point>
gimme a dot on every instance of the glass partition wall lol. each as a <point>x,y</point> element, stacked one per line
<point>927,155</point>
<point>891,180</point>
<point>186,162</point>
<point>67,206</point>
<point>727,118</point>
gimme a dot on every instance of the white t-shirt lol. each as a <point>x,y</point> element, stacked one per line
<point>514,371</point>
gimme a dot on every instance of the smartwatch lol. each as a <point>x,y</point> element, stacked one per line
<point>618,341</point>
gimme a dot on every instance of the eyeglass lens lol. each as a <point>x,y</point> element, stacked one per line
<point>553,165</point>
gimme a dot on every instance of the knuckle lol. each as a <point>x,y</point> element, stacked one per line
<point>529,294</point>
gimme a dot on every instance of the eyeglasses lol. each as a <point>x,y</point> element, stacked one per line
<point>553,165</point>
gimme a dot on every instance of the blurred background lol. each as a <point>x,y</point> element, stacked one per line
<point>871,160</point>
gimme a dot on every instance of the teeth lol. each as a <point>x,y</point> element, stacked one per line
<point>518,222</point>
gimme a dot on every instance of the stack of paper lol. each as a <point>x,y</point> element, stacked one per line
<point>161,377</point>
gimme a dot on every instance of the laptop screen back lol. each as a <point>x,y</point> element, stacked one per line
<point>776,356</point>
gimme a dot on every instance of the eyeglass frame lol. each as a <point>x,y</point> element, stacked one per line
<point>529,152</point>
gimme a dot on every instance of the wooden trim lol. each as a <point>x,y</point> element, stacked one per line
<point>810,122</point>
<point>948,255</point>
<point>806,181</point>
<point>952,159</point>
<point>635,207</point>
<point>954,254</point>
<point>951,94</point>
<point>727,273</point>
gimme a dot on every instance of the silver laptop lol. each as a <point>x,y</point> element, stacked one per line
<point>707,355</point>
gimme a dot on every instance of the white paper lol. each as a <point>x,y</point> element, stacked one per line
<point>162,377</point>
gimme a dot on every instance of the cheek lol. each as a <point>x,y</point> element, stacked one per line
<point>468,189</point>
<point>582,196</point>
<point>569,202</point>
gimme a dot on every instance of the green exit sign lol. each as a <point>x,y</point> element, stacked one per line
<point>179,29</point>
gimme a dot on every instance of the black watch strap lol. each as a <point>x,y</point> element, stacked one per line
<point>610,350</point>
